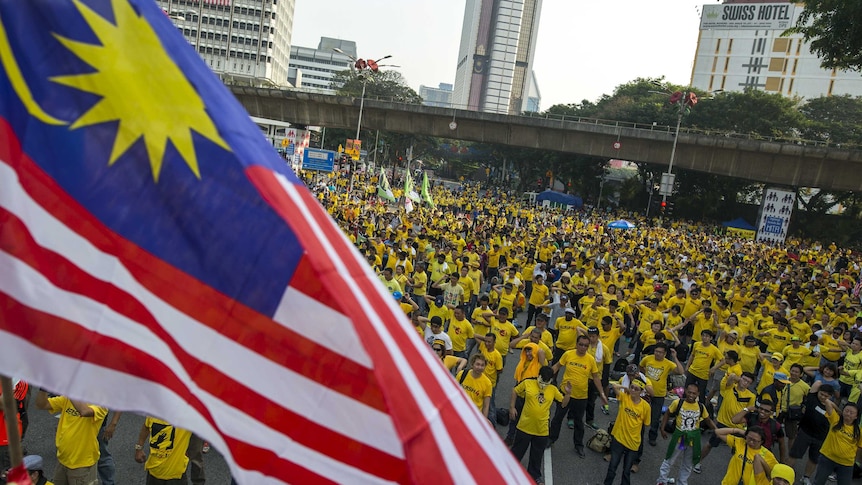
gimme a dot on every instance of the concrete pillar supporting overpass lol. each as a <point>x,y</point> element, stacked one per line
<point>775,162</point>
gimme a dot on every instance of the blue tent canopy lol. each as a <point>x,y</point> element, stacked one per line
<point>739,223</point>
<point>560,198</point>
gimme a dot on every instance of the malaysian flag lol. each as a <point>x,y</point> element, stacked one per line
<point>156,255</point>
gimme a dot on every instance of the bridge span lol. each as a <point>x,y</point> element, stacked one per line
<point>799,164</point>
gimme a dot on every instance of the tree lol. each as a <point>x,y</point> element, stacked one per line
<point>833,119</point>
<point>834,29</point>
<point>387,85</point>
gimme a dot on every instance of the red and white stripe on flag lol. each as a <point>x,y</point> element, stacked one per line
<point>327,398</point>
<point>217,2</point>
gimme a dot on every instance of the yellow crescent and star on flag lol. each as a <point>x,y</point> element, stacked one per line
<point>138,98</point>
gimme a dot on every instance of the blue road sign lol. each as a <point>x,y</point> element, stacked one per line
<point>319,160</point>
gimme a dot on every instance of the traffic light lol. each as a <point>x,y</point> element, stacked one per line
<point>669,207</point>
<point>663,205</point>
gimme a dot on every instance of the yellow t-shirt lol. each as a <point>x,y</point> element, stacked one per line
<point>477,389</point>
<point>539,294</point>
<point>77,436</point>
<point>657,371</point>
<point>481,325</point>
<point>840,446</point>
<point>420,283</point>
<point>168,445</point>
<point>459,332</point>
<point>777,340</point>
<point>795,355</point>
<point>734,466</point>
<point>631,418</point>
<point>504,331</point>
<point>537,406</point>
<point>748,357</point>
<point>852,362</point>
<point>734,401</point>
<point>567,333</point>
<point>610,337</point>
<point>493,363</point>
<point>703,358</point>
<point>579,371</point>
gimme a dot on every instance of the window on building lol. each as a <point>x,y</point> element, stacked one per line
<point>254,42</point>
<point>254,57</point>
<point>233,39</point>
<point>273,15</point>
<point>209,50</point>
<point>242,25</point>
<point>777,64</point>
<point>204,19</point>
<point>781,45</point>
<point>201,49</point>
<point>773,84</point>
<point>235,24</point>
<point>219,22</point>
<point>256,27</point>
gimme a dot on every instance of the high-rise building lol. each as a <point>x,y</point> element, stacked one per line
<point>243,41</point>
<point>440,96</point>
<point>315,68</point>
<point>495,58</point>
<point>741,46</point>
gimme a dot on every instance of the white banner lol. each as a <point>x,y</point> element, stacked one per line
<point>748,16</point>
<point>775,211</point>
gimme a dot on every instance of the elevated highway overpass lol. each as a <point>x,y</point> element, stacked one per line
<point>796,164</point>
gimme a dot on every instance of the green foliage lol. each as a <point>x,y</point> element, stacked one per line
<point>751,112</point>
<point>833,119</point>
<point>388,85</point>
<point>834,29</point>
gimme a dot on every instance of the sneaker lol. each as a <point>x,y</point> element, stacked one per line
<point>833,478</point>
<point>580,451</point>
<point>606,410</point>
<point>607,457</point>
<point>571,424</point>
<point>592,424</point>
<point>205,448</point>
<point>635,467</point>
<point>714,401</point>
<point>697,468</point>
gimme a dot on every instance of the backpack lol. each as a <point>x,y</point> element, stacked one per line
<point>502,416</point>
<point>600,442</point>
<point>670,426</point>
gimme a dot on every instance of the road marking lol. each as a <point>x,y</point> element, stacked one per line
<point>548,473</point>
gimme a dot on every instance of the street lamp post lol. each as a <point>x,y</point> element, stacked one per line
<point>683,101</point>
<point>364,69</point>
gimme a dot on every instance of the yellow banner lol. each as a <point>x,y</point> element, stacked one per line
<point>743,233</point>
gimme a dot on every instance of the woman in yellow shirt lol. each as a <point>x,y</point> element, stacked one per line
<point>841,445</point>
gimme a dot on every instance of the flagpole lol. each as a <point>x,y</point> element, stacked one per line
<point>10,415</point>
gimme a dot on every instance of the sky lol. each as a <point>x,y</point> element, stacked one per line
<point>584,50</point>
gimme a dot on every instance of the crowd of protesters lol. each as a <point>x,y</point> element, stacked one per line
<point>703,338</point>
<point>700,338</point>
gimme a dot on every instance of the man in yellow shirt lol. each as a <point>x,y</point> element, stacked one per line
<point>567,333</point>
<point>476,384</point>
<point>167,461</point>
<point>538,298</point>
<point>460,331</point>
<point>532,429</point>
<point>657,369</point>
<point>633,414</point>
<point>703,356</point>
<point>735,397</point>
<point>77,438</point>
<point>580,370</point>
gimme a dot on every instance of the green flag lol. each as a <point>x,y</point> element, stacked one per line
<point>409,189</point>
<point>426,191</point>
<point>383,190</point>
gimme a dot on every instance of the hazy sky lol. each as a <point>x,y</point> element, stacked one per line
<point>585,48</point>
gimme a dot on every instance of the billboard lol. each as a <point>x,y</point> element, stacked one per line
<point>319,160</point>
<point>748,16</point>
<point>774,219</point>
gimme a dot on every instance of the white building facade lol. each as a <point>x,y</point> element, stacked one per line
<point>741,46</point>
<point>314,69</point>
<point>243,41</point>
<point>495,56</point>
